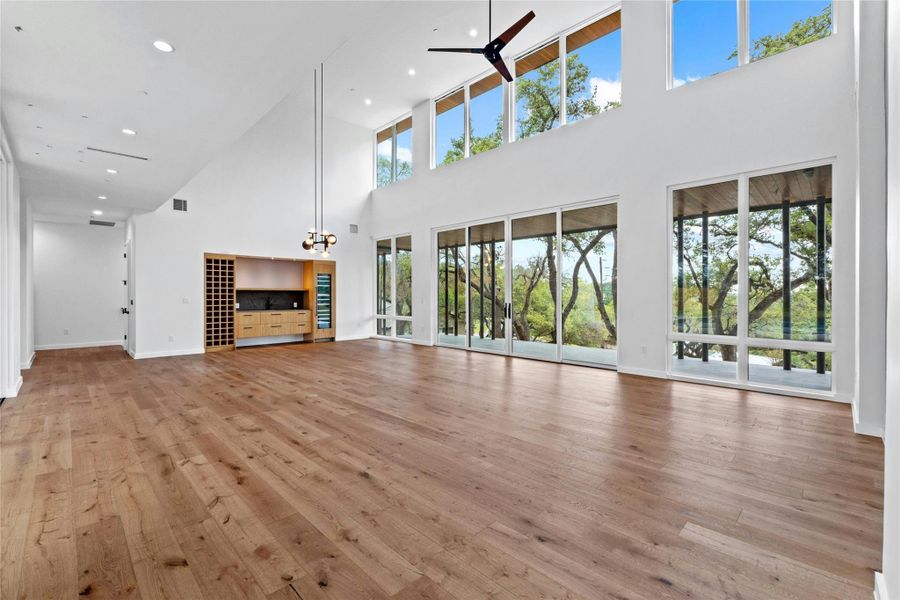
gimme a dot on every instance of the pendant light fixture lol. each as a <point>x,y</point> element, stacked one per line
<point>318,235</point>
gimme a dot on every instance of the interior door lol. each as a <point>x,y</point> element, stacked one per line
<point>486,279</point>
<point>130,345</point>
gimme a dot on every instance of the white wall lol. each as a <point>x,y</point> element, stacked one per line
<point>795,107</point>
<point>889,584</point>
<point>10,264</point>
<point>26,293</point>
<point>78,273</point>
<point>871,222</point>
<point>256,200</point>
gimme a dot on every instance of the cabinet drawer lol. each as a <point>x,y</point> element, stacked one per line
<point>286,316</point>
<point>298,328</point>
<point>247,318</point>
<point>275,329</point>
<point>244,330</point>
<point>305,318</point>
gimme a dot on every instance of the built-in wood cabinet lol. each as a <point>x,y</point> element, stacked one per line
<point>264,323</point>
<point>246,296</point>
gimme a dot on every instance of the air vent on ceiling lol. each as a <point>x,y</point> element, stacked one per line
<point>103,223</point>
<point>117,153</point>
<point>179,204</point>
<point>354,228</point>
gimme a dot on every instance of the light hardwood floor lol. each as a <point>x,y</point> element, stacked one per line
<point>372,470</point>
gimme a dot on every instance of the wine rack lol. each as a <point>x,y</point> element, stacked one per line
<point>219,302</point>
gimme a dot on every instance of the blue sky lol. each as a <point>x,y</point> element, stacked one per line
<point>705,31</point>
<point>705,34</point>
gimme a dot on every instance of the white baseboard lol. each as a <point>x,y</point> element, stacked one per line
<point>78,345</point>
<point>351,338</point>
<point>643,372</point>
<point>401,340</point>
<point>861,428</point>
<point>166,353</point>
<point>14,390</point>
<point>881,591</point>
<point>27,364</point>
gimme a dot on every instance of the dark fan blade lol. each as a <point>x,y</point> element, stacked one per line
<point>516,27</point>
<point>501,68</point>
<point>465,50</point>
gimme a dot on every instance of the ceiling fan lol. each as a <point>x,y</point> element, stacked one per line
<point>491,50</point>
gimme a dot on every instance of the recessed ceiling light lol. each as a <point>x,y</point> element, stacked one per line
<point>129,131</point>
<point>101,197</point>
<point>411,71</point>
<point>368,101</point>
<point>98,212</point>
<point>113,171</point>
<point>163,46</point>
<point>473,32</point>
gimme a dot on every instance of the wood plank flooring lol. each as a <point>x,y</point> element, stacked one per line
<point>370,470</point>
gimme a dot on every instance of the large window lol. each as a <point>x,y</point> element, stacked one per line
<point>470,120</point>
<point>537,81</point>
<point>594,68</point>
<point>485,114</point>
<point>393,287</point>
<point>779,333</point>
<point>704,39</point>
<point>711,36</point>
<point>449,128</point>
<point>393,152</point>
<point>785,24</point>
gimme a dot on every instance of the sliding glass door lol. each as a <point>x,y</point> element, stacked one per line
<point>534,286</point>
<point>538,286</point>
<point>487,291</point>
<point>451,302</point>
<point>590,267</point>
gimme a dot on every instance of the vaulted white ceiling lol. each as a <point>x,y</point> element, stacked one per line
<point>79,72</point>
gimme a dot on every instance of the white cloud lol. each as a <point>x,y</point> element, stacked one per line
<point>678,81</point>
<point>606,91</point>
<point>404,155</point>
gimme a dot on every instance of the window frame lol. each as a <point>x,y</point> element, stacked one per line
<point>465,89</point>
<point>392,125</point>
<point>508,116</point>
<point>393,318</point>
<point>743,38</point>
<point>560,39</point>
<point>507,219</point>
<point>742,340</point>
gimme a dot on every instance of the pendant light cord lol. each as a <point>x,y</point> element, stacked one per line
<point>315,152</point>
<point>322,142</point>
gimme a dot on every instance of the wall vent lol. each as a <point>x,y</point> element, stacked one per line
<point>103,223</point>
<point>354,228</point>
<point>179,204</point>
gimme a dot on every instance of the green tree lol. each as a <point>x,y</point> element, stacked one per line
<point>540,95</point>
<point>810,29</point>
